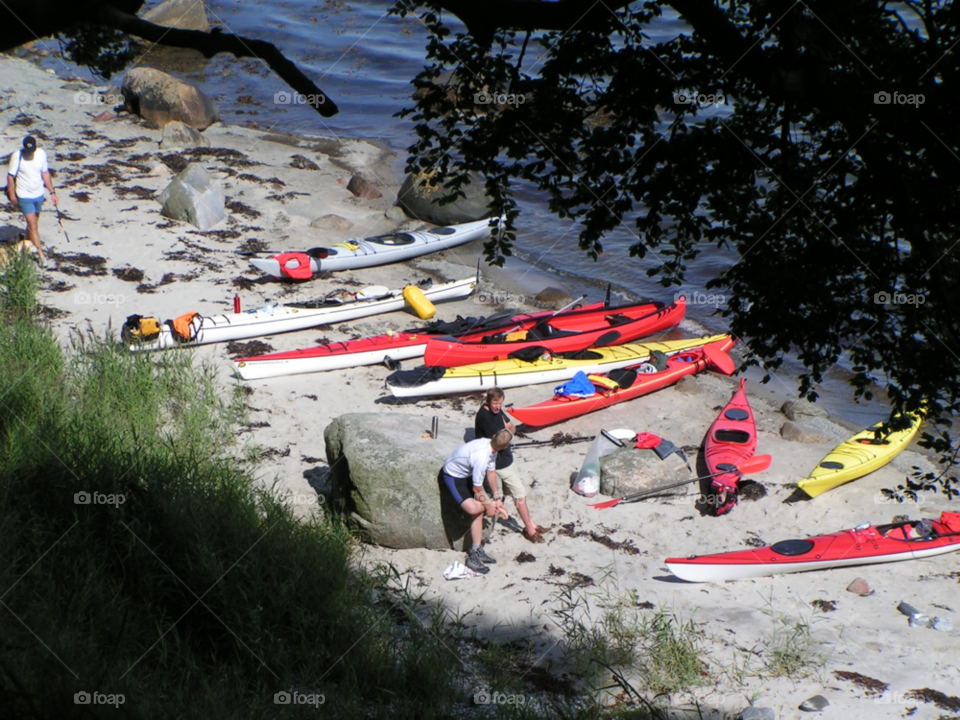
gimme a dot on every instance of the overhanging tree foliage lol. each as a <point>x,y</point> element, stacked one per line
<point>833,175</point>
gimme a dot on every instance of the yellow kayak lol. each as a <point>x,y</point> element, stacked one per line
<point>858,456</point>
<point>548,368</point>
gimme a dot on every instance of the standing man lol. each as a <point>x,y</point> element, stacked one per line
<point>490,420</point>
<point>26,177</point>
<point>471,477</point>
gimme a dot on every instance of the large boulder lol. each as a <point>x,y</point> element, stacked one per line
<point>194,197</point>
<point>386,479</point>
<point>417,201</point>
<point>797,410</point>
<point>629,470</point>
<point>180,14</point>
<point>161,98</point>
<point>797,432</point>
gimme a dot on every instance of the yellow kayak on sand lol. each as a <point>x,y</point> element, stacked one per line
<point>860,455</point>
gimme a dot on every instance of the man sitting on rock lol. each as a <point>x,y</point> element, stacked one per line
<point>490,420</point>
<point>471,477</point>
<point>26,177</point>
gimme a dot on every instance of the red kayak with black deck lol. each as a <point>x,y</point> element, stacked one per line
<point>731,439</point>
<point>863,545</point>
<point>568,332</point>
<point>626,384</point>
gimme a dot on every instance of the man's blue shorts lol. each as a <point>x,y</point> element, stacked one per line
<point>462,488</point>
<point>30,206</point>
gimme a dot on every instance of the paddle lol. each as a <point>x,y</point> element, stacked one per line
<point>719,359</point>
<point>549,317</point>
<point>318,252</point>
<point>754,464</point>
<point>60,220</point>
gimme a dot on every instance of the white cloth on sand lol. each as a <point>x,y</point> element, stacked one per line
<point>459,571</point>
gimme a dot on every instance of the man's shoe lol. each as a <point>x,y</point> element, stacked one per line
<point>476,565</point>
<point>482,556</point>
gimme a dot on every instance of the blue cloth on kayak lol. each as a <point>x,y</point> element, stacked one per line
<point>578,386</point>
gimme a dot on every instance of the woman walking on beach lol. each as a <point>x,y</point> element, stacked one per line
<point>26,177</point>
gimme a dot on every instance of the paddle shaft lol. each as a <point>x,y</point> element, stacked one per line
<point>549,317</point>
<point>60,219</point>
<point>636,496</point>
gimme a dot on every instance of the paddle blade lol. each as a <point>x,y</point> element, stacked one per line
<point>719,359</point>
<point>607,504</point>
<point>756,464</point>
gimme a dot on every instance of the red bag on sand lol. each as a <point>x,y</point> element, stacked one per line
<point>302,272</point>
<point>646,441</point>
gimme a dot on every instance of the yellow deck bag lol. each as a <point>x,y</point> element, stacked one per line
<point>419,302</point>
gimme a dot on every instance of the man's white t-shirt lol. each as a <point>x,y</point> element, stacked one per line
<point>30,175</point>
<point>472,460</point>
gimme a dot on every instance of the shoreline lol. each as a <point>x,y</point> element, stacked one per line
<point>121,247</point>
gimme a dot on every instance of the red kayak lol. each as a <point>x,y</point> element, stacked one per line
<point>731,439</point>
<point>569,332</point>
<point>389,348</point>
<point>863,545</point>
<point>627,383</point>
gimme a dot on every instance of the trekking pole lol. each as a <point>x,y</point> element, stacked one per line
<point>60,218</point>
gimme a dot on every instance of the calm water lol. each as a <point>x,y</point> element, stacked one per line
<point>365,59</point>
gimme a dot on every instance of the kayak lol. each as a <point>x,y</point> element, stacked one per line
<point>277,318</point>
<point>388,348</point>
<point>569,332</point>
<point>863,545</point>
<point>369,252</point>
<point>619,386</point>
<point>515,372</point>
<point>731,439</point>
<point>858,456</point>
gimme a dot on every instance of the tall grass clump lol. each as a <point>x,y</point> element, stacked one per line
<point>140,560</point>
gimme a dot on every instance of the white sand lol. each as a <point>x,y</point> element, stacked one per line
<point>864,634</point>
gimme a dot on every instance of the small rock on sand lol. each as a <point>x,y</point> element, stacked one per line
<point>194,197</point>
<point>104,116</point>
<point>553,297</point>
<point>758,713</point>
<point>795,432</point>
<point>797,409</point>
<point>814,704</point>
<point>395,213</point>
<point>363,189</point>
<point>179,136</point>
<point>332,222</point>
<point>859,587</point>
<point>302,163</point>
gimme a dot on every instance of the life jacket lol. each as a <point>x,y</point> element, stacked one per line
<point>140,329</point>
<point>301,272</point>
<point>182,325</point>
<point>518,335</point>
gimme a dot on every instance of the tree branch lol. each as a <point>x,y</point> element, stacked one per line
<point>215,42</point>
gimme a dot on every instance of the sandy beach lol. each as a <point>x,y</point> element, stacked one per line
<point>124,258</point>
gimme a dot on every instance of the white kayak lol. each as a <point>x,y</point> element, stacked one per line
<point>516,372</point>
<point>368,252</point>
<point>277,318</point>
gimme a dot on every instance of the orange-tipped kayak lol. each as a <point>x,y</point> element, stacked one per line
<point>622,385</point>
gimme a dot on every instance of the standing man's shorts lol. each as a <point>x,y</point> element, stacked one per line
<point>30,206</point>
<point>511,482</point>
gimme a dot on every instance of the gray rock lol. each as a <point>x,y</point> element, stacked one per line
<point>941,624</point>
<point>194,197</point>
<point>552,297</point>
<point>385,479</point>
<point>332,222</point>
<point>758,713</point>
<point>629,471</point>
<point>395,213</point>
<point>798,409</point>
<point>795,432</point>
<point>363,189</point>
<point>178,136</point>
<point>907,609</point>
<point>418,201</point>
<point>814,704</point>
<point>303,163</point>
<point>860,587</point>
<point>181,14</point>
<point>161,98</point>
